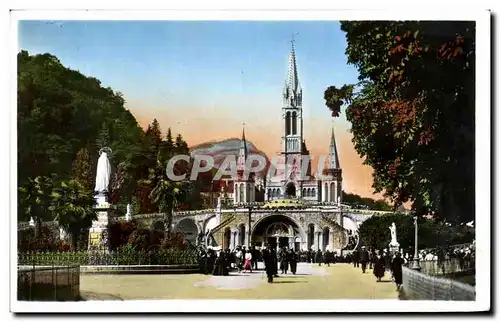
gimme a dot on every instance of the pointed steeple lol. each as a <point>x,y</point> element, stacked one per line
<point>243,145</point>
<point>334,156</point>
<point>292,93</point>
<point>243,152</point>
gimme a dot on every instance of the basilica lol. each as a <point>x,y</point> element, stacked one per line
<point>281,209</point>
<point>287,182</point>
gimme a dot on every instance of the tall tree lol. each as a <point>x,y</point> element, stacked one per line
<point>167,194</point>
<point>181,146</point>
<point>168,145</point>
<point>412,113</point>
<point>103,138</point>
<point>82,169</point>
<point>153,139</point>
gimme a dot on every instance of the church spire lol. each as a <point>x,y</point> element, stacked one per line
<point>334,156</point>
<point>243,145</point>
<point>292,93</point>
<point>242,155</point>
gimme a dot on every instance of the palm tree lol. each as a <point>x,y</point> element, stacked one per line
<point>167,193</point>
<point>35,200</point>
<point>74,209</point>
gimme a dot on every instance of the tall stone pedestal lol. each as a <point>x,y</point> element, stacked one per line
<point>98,233</point>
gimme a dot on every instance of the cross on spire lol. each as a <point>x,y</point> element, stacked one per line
<point>293,39</point>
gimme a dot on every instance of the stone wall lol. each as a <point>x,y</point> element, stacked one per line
<point>419,286</point>
<point>48,283</point>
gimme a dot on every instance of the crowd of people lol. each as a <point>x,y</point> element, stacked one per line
<point>221,262</point>
<point>380,262</point>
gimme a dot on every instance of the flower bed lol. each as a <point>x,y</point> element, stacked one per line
<point>117,257</point>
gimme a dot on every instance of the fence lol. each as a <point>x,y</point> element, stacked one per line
<point>43,283</point>
<point>104,257</point>
<point>453,265</point>
<point>420,286</point>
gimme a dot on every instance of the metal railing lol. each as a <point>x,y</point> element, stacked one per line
<point>48,283</point>
<point>108,257</point>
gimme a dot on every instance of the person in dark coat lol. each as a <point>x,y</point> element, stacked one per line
<point>319,257</point>
<point>283,258</point>
<point>373,256</point>
<point>364,257</point>
<point>202,262</point>
<point>355,258</point>
<point>292,258</point>
<point>220,267</point>
<point>379,267</point>
<point>211,257</point>
<point>387,259</point>
<point>397,270</point>
<point>274,256</point>
<point>255,258</point>
<point>269,263</point>
<point>328,258</point>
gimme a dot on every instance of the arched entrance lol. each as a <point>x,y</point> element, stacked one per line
<point>290,190</point>
<point>189,229</point>
<point>277,231</point>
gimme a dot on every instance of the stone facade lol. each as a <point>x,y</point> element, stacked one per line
<point>314,226</point>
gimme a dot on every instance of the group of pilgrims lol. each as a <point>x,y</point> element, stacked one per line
<point>220,262</point>
<point>380,261</point>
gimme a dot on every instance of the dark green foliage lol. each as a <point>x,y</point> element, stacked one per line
<point>119,233</point>
<point>64,119</point>
<point>358,201</point>
<point>47,240</point>
<point>375,233</point>
<point>73,208</point>
<point>412,113</point>
<point>82,169</point>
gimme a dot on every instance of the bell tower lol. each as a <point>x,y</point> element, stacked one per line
<point>292,109</point>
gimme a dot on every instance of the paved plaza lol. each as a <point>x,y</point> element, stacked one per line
<point>339,281</point>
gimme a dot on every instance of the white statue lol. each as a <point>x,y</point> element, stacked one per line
<point>32,222</point>
<point>394,240</point>
<point>128,215</point>
<point>62,233</point>
<point>103,172</point>
<point>218,205</point>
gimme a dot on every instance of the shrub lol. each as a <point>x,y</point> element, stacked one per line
<point>140,238</point>
<point>47,241</point>
<point>175,240</point>
<point>119,232</point>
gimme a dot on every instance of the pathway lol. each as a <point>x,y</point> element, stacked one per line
<point>339,281</point>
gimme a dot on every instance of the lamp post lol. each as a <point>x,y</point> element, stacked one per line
<point>249,226</point>
<point>415,263</point>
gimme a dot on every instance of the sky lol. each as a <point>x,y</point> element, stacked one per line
<point>204,79</point>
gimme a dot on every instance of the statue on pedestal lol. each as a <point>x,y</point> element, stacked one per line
<point>393,245</point>
<point>98,234</point>
<point>103,173</point>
